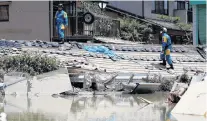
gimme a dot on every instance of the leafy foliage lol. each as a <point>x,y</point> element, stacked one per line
<point>33,64</point>
<point>103,24</point>
<point>184,78</point>
<point>166,85</point>
<point>188,34</point>
<point>92,7</point>
<point>168,18</point>
<point>184,26</point>
<point>133,30</point>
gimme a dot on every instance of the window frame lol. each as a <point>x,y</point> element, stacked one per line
<point>179,4</point>
<point>189,13</point>
<point>162,9</point>
<point>190,7</point>
<point>5,20</point>
<point>190,17</point>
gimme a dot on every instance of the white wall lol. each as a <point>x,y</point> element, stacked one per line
<point>148,9</point>
<point>28,20</point>
<point>182,14</point>
<point>172,12</point>
<point>134,7</point>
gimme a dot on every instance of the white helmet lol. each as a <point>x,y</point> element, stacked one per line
<point>164,30</point>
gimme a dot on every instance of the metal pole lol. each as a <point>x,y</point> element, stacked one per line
<point>101,18</point>
<point>76,14</point>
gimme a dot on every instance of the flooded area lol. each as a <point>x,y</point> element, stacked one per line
<point>113,107</point>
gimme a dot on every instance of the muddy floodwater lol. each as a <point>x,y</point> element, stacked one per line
<point>113,107</point>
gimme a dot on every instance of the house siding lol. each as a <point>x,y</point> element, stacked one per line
<point>145,10</point>
<point>134,7</point>
<point>148,5</point>
<point>28,20</point>
<point>199,22</point>
<point>182,14</point>
<point>201,10</point>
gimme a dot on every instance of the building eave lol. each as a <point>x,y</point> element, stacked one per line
<point>117,10</point>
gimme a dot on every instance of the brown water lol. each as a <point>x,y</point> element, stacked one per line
<point>87,108</point>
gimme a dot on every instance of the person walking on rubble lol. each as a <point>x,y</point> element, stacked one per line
<point>61,22</point>
<point>166,48</point>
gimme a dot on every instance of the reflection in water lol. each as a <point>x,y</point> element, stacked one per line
<point>88,108</point>
<point>27,116</point>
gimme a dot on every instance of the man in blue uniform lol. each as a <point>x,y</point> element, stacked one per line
<point>61,20</point>
<point>166,49</point>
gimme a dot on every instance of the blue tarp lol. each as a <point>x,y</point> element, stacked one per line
<point>100,49</point>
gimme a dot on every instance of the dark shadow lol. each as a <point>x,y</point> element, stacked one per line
<point>158,66</point>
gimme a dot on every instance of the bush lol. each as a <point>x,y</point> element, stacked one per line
<point>184,78</point>
<point>184,26</point>
<point>133,30</point>
<point>169,18</point>
<point>34,65</point>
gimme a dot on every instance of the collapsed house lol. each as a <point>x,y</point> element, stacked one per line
<point>128,62</point>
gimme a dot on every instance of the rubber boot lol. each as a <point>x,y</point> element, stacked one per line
<point>171,67</point>
<point>62,41</point>
<point>163,63</point>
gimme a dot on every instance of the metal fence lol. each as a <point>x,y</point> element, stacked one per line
<point>104,27</point>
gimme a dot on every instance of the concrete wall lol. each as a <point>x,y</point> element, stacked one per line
<point>134,7</point>
<point>148,9</point>
<point>182,14</point>
<point>28,20</point>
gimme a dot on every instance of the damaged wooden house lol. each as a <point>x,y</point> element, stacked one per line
<point>37,23</point>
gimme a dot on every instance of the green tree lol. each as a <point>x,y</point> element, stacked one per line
<point>133,30</point>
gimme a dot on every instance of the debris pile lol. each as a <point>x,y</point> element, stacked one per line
<point>166,82</point>
<point>90,56</point>
<point>2,82</point>
<point>98,81</point>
